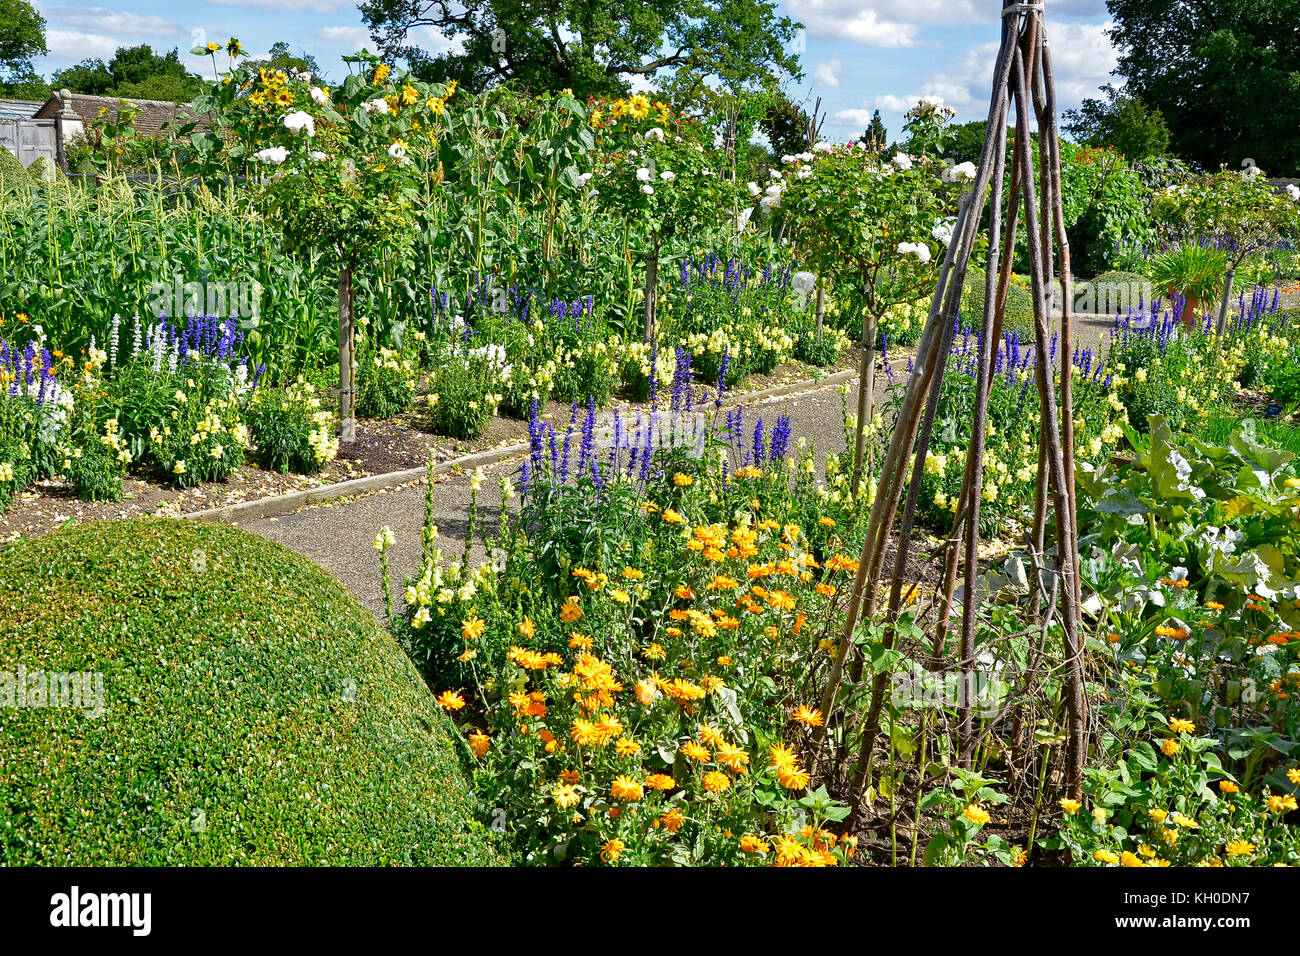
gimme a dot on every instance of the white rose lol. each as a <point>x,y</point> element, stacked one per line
<point>272,154</point>
<point>299,120</point>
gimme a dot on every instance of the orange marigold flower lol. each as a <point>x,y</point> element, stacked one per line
<point>450,700</point>
<point>695,752</point>
<point>715,781</point>
<point>660,781</point>
<point>625,788</point>
<point>808,716</point>
<point>479,743</point>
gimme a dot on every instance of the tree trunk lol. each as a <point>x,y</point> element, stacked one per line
<point>821,306</point>
<point>1222,324</point>
<point>651,291</point>
<point>347,365</point>
<point>866,395</point>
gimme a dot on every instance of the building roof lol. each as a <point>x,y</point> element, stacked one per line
<point>153,115</point>
<point>19,109</point>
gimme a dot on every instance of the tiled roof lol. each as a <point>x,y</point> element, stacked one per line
<point>153,115</point>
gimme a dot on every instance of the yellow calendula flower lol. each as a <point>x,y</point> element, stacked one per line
<point>1180,726</point>
<point>1240,848</point>
<point>976,814</point>
<point>1071,807</point>
<point>1106,856</point>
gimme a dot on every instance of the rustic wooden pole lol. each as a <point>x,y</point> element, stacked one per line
<point>347,355</point>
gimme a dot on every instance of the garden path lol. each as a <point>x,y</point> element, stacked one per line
<point>340,535</point>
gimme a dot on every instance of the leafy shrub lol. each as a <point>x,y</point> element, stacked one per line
<point>291,430</point>
<point>587,371</point>
<point>251,712</point>
<point>1019,314</point>
<point>386,381</point>
<point>819,351</point>
<point>466,393</point>
<point>96,465</point>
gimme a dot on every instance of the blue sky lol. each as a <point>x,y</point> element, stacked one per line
<point>857,56</point>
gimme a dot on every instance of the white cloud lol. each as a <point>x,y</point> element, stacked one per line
<point>318,6</point>
<point>828,74</point>
<point>74,45</point>
<point>1082,60</point>
<point>892,24</point>
<point>345,39</point>
<point>856,117</point>
<point>102,20</point>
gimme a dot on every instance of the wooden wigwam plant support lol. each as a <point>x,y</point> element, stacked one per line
<point>1023,82</point>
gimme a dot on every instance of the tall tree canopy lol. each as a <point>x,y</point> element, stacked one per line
<point>1224,74</point>
<point>134,71</point>
<point>593,47</point>
<point>1123,122</point>
<point>22,36</point>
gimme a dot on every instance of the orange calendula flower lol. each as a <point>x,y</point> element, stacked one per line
<point>660,781</point>
<point>1228,787</point>
<point>570,610</point>
<point>625,788</point>
<point>682,480</point>
<point>808,716</point>
<point>612,850</point>
<point>450,700</point>
<point>695,752</point>
<point>671,516</point>
<point>527,628</point>
<point>566,795</point>
<point>716,782</point>
<point>976,814</point>
<point>752,844</point>
<point>479,743</point>
<point>1169,746</point>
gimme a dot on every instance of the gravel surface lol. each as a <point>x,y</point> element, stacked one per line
<point>340,535</point>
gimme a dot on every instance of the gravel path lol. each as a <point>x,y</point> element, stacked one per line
<point>340,535</point>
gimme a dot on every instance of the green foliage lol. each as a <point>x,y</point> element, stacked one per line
<point>1105,205</point>
<point>605,45</point>
<point>386,380</point>
<point>1191,269</point>
<point>1222,75</point>
<point>850,214</point>
<point>1124,123</point>
<point>136,72</point>
<point>465,394</point>
<point>290,429</point>
<point>252,713</point>
<point>22,36</point>
<point>1240,212</point>
<point>1018,315</point>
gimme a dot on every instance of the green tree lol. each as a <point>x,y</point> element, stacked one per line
<point>786,125</point>
<point>876,135</point>
<point>592,47</point>
<point>1225,76</point>
<point>1123,122</point>
<point>22,36</point>
<point>134,71</point>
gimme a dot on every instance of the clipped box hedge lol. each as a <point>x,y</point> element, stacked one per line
<point>254,713</point>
